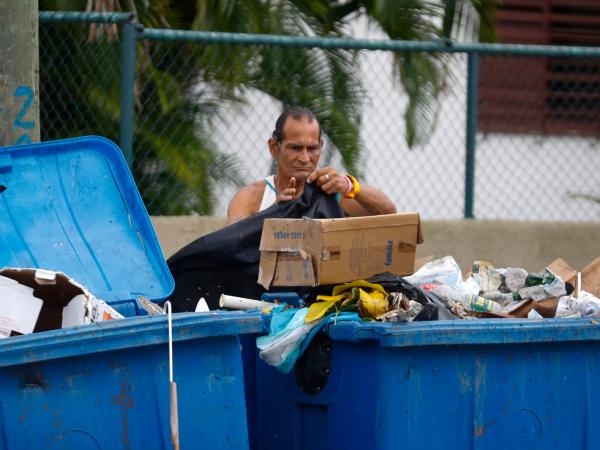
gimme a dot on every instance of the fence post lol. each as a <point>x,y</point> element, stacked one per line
<point>19,73</point>
<point>128,62</point>
<point>472,98</point>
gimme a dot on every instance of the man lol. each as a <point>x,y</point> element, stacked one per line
<point>296,146</point>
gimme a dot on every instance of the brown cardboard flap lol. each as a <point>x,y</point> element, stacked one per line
<point>294,269</point>
<point>282,235</point>
<point>590,277</point>
<point>420,239</point>
<point>522,309</point>
<point>547,307</point>
<point>266,269</point>
<point>561,268</point>
<point>366,222</point>
<point>286,269</point>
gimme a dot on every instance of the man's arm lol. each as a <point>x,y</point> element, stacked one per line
<point>369,201</point>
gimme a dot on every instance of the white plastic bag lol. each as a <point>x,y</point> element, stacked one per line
<point>444,271</point>
<point>443,278</point>
<point>587,305</point>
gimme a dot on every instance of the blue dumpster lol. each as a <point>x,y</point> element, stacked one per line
<point>489,384</point>
<point>106,385</point>
<point>72,206</point>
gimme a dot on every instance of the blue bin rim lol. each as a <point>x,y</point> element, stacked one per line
<point>469,332</point>
<point>124,334</point>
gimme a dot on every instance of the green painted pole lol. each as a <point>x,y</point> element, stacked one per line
<point>128,59</point>
<point>85,17</point>
<point>441,45</point>
<point>472,98</point>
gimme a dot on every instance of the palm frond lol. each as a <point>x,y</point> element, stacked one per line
<point>420,77</point>
<point>581,196</point>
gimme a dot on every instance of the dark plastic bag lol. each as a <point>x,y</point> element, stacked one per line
<point>434,308</point>
<point>227,260</point>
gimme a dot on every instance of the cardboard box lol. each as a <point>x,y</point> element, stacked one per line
<point>590,275</point>
<point>310,252</point>
<point>33,300</point>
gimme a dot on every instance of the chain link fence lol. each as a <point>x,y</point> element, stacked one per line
<point>537,147</point>
<point>80,71</point>
<point>203,111</point>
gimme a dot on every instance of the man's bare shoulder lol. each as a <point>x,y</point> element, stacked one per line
<point>258,185</point>
<point>246,201</point>
<point>252,190</point>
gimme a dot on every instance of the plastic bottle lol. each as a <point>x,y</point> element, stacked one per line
<point>480,304</point>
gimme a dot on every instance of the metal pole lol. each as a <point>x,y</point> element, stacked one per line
<point>440,45</point>
<point>128,60</point>
<point>19,73</point>
<point>472,97</point>
<point>85,17</point>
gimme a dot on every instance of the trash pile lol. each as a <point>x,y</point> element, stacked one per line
<point>33,300</point>
<point>490,292</point>
<point>437,291</point>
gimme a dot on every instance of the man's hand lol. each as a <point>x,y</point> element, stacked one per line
<point>329,180</point>
<point>288,193</point>
<point>370,201</point>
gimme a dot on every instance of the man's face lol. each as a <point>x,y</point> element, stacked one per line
<point>299,153</point>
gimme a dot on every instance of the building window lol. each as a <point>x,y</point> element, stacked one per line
<point>541,94</point>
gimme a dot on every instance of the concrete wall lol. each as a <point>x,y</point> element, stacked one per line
<point>531,245</point>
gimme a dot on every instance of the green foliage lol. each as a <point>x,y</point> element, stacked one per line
<point>588,197</point>
<point>182,89</point>
<point>177,167</point>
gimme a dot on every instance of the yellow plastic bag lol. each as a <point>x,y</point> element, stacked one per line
<point>360,284</point>
<point>323,306</point>
<point>372,304</point>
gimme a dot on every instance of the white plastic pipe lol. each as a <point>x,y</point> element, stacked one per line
<point>173,409</point>
<point>167,308</point>
<point>232,302</point>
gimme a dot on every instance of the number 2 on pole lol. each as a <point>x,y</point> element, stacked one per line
<point>27,92</point>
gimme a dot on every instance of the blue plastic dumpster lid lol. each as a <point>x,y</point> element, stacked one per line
<point>72,206</point>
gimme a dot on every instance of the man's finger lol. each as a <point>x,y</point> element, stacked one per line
<point>314,175</point>
<point>292,184</point>
<point>286,195</point>
<point>326,180</point>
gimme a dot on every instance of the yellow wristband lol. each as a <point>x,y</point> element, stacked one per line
<point>355,187</point>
